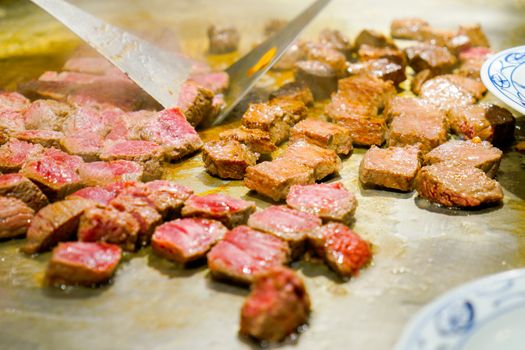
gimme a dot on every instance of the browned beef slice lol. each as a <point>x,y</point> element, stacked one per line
<point>227,159</point>
<point>471,61</point>
<point>46,115</point>
<point>15,217</point>
<point>326,54</point>
<point>372,38</point>
<point>381,68</point>
<point>46,138</point>
<point>420,78</point>
<point>427,56</point>
<point>323,134</point>
<point>257,140</point>
<point>295,90</point>
<point>393,167</point>
<point>223,39</point>
<point>274,179</point>
<point>475,34</point>
<point>451,90</point>
<point>196,102</point>
<point>322,161</point>
<point>269,118</point>
<point>88,146</point>
<point>18,186</point>
<point>82,263</point>
<point>453,185</point>
<point>55,223</point>
<point>14,153</point>
<point>276,307</point>
<point>367,53</point>
<point>336,40</point>
<point>295,53</point>
<point>320,78</point>
<point>168,197</point>
<point>294,110</point>
<point>407,28</point>
<point>10,123</point>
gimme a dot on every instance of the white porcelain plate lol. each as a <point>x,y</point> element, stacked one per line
<point>485,314</point>
<point>504,75</point>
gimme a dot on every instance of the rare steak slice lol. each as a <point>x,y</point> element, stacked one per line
<point>87,146</point>
<point>55,172</point>
<point>296,91</point>
<point>323,134</point>
<point>13,102</point>
<point>480,154</point>
<point>83,263</point>
<point>187,240</point>
<point>99,224</point>
<point>437,59</point>
<point>10,123</point>
<point>419,79</point>
<point>320,78</point>
<point>274,179</point>
<point>46,115</point>
<point>393,167</point>
<point>407,28</point>
<point>227,159</point>
<point>14,153</point>
<point>103,173</point>
<point>168,197</point>
<point>223,39</point>
<point>195,101</point>
<point>342,249</point>
<point>471,61</point>
<point>288,224</point>
<point>46,138</point>
<point>55,223</point>
<point>228,210</point>
<point>257,140</point>
<point>454,185</point>
<point>15,217</point>
<point>277,306</point>
<point>269,118</point>
<point>20,187</point>
<point>99,195</point>
<point>322,161</point>
<point>331,202</point>
<point>244,253</point>
<point>381,68</point>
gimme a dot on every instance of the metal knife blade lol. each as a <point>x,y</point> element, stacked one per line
<point>245,72</point>
<point>158,72</point>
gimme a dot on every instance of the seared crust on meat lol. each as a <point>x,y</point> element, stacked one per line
<point>227,159</point>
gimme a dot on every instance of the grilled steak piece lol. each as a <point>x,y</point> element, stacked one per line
<point>46,138</point>
<point>244,253</point>
<point>342,249</point>
<point>331,202</point>
<point>228,210</point>
<point>488,122</point>
<point>323,134</point>
<point>195,101</point>
<point>420,78</point>
<point>480,154</point>
<point>393,167</point>
<point>336,40</point>
<point>381,68</point>
<point>217,82</point>
<point>269,118</point>
<point>10,123</point>
<point>109,225</point>
<point>372,38</point>
<point>454,185</point>
<point>296,91</point>
<point>55,223</point>
<point>320,78</point>
<point>449,91</point>
<point>170,129</point>
<point>168,197</point>
<point>438,37</point>
<point>86,121</point>
<point>322,161</point>
<point>187,240</point>
<point>294,110</point>
<point>83,263</point>
<point>258,141</point>
<point>223,39</point>
<point>88,146</point>
<point>99,195</point>
<point>437,59</point>
<point>276,307</point>
<point>288,224</point>
<point>55,172</point>
<point>14,153</point>
<point>407,28</point>
<point>18,186</point>
<point>13,102</point>
<point>227,159</point>
<point>15,217</point>
<point>46,115</point>
<point>295,53</point>
<point>102,173</point>
<point>328,55</point>
<point>475,35</point>
<point>372,53</point>
<point>365,131</point>
<point>273,179</point>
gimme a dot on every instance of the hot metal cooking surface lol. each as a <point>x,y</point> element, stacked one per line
<point>420,251</point>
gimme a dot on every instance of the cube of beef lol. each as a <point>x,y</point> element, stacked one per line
<point>372,38</point>
<point>409,106</point>
<point>331,202</point>
<point>419,79</point>
<point>13,102</point>
<point>437,59</point>
<point>407,28</point>
<point>228,210</point>
<point>323,134</point>
<point>277,306</point>
<point>290,225</point>
<point>244,254</point>
<point>46,138</point>
<point>20,187</point>
<point>46,115</point>
<point>99,195</point>
<point>217,82</point>
<point>85,121</point>
<point>83,263</point>
<point>449,91</point>
<point>341,248</point>
<point>257,140</point>
<point>14,153</point>
<point>295,53</point>
<point>55,223</point>
<point>15,217</point>
<point>99,224</point>
<point>336,40</point>
<point>320,78</point>
<point>438,37</point>
<point>274,179</point>
<point>322,161</point>
<point>102,173</point>
<point>170,129</point>
<point>326,54</point>
<point>195,101</point>
<point>187,240</point>
<point>480,154</point>
<point>294,110</point>
<point>55,172</point>
<point>88,146</point>
<point>488,122</point>
<point>296,91</point>
<point>10,123</point>
<point>223,39</point>
<point>392,168</point>
<point>454,185</point>
<point>227,159</point>
<point>381,68</point>
<point>365,131</point>
<point>372,53</point>
<point>269,118</point>
<point>168,197</point>
<point>475,34</point>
